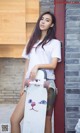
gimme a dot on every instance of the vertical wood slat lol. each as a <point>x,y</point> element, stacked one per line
<point>32,14</point>
<point>29,29</point>
<point>32,11</point>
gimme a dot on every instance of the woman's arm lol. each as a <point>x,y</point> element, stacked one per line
<point>51,66</point>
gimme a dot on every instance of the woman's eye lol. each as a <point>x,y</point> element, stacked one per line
<point>47,20</point>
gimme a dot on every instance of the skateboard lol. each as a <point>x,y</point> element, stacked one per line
<point>35,105</point>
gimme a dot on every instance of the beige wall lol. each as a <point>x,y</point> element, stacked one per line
<point>17,19</point>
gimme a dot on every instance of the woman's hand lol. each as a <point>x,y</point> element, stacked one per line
<point>33,72</point>
<point>25,83</point>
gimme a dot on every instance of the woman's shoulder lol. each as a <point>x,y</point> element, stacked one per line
<point>55,41</point>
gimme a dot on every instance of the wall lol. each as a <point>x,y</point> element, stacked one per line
<point>11,73</point>
<point>72,66</point>
<point>46,5</point>
<point>17,20</point>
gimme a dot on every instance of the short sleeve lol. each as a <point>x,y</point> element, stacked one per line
<point>56,52</point>
<point>24,55</point>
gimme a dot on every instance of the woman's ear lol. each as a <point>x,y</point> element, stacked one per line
<point>52,25</point>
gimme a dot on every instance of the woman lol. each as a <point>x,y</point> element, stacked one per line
<point>43,51</point>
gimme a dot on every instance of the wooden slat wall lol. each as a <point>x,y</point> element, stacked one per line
<point>17,21</point>
<point>32,14</point>
<point>12,22</point>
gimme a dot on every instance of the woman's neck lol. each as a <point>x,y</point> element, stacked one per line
<point>43,35</point>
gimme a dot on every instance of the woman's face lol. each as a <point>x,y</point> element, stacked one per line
<point>45,22</point>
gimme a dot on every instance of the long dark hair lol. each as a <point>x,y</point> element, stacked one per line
<point>37,33</point>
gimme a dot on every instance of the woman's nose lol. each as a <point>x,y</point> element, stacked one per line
<point>43,21</point>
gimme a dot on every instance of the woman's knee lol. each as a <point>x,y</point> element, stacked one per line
<point>13,119</point>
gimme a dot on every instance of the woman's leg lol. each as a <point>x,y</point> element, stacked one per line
<point>50,105</point>
<point>17,115</point>
<point>48,127</point>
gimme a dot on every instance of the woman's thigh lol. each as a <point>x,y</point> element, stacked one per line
<point>18,113</point>
<point>52,92</point>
